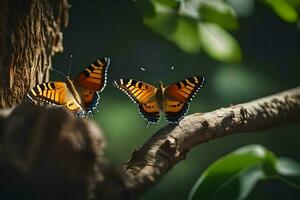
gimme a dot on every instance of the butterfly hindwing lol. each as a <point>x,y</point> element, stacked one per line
<point>91,100</point>
<point>56,93</point>
<point>175,110</point>
<point>90,82</point>
<point>150,111</point>
<point>178,95</point>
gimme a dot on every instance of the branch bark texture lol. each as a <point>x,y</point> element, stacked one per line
<point>30,34</point>
<point>170,144</point>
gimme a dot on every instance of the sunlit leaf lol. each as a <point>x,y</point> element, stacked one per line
<point>160,7</point>
<point>283,9</point>
<point>218,43</point>
<point>189,8</point>
<point>218,12</point>
<point>288,171</point>
<point>233,176</point>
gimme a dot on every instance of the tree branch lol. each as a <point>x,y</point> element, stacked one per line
<point>48,153</point>
<point>170,144</point>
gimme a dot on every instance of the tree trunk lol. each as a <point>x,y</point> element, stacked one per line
<point>30,34</point>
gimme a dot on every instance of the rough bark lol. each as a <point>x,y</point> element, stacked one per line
<point>46,153</point>
<point>30,34</point>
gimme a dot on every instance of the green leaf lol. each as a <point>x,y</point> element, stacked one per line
<point>284,10</point>
<point>186,35</point>
<point>288,171</point>
<point>233,176</point>
<point>218,12</point>
<point>182,31</point>
<point>160,7</point>
<point>162,23</point>
<point>170,3</point>
<point>218,43</point>
<point>181,26</point>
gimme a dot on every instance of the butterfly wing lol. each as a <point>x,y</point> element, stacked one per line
<point>90,82</point>
<point>94,76</point>
<point>178,95</point>
<point>151,111</point>
<point>144,95</point>
<point>56,93</point>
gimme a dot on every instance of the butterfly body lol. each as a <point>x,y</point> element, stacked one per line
<point>172,101</point>
<point>74,102</point>
<point>81,95</point>
<point>159,96</point>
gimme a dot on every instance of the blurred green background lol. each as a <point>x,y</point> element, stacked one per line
<point>270,63</point>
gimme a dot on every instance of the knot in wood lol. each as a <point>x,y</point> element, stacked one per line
<point>168,150</point>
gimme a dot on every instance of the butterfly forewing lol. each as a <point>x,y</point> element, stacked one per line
<point>138,91</point>
<point>178,95</point>
<point>185,90</point>
<point>90,82</point>
<point>94,76</point>
<point>54,93</point>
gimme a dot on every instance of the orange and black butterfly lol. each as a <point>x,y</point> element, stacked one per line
<point>172,100</point>
<point>80,95</point>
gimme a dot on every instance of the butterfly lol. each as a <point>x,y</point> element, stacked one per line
<point>172,100</point>
<point>81,95</point>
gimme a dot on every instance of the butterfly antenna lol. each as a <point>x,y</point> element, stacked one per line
<point>70,64</point>
<point>143,69</point>
<point>155,73</point>
<point>59,72</point>
<point>167,72</point>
